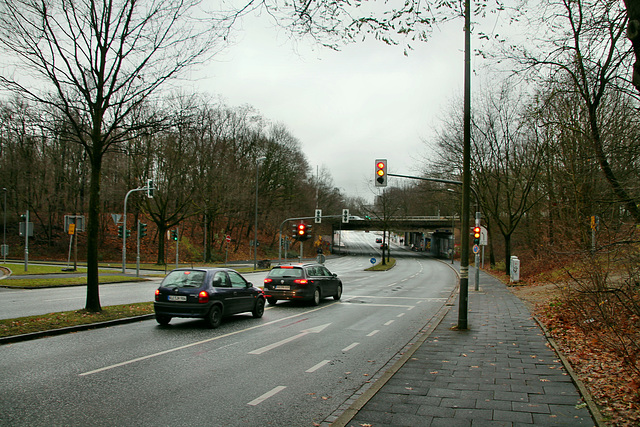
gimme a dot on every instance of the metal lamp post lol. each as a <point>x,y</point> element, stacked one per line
<point>4,236</point>
<point>255,239</point>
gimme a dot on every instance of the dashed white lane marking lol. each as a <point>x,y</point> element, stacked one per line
<point>350,346</point>
<point>318,366</point>
<point>267,395</point>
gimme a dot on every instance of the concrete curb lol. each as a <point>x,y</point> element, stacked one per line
<point>343,419</point>
<point>78,328</point>
<point>351,407</point>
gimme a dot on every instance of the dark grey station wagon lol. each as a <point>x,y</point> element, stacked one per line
<point>310,282</point>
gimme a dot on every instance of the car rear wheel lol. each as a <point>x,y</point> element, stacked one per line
<point>338,294</point>
<point>258,310</point>
<point>214,318</point>
<point>316,297</point>
<point>163,319</point>
<point>272,301</point>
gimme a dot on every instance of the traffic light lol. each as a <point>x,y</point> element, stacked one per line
<point>318,216</point>
<point>174,235</point>
<point>302,231</point>
<point>294,232</point>
<point>120,231</point>
<point>128,233</point>
<point>150,188</point>
<point>476,235</point>
<point>381,173</point>
<point>143,229</point>
<point>308,234</point>
<point>345,216</point>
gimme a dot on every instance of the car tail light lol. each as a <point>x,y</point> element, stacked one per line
<point>203,297</point>
<point>268,280</point>
<point>286,266</point>
<point>157,294</point>
<point>301,281</point>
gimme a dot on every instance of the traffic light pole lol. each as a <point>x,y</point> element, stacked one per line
<point>477,259</point>
<point>297,219</point>
<point>26,241</point>
<point>138,251</point>
<point>149,190</point>
<point>464,253</point>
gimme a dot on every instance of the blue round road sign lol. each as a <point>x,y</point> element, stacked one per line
<point>372,260</point>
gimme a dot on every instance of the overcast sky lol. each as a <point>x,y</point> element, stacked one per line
<point>349,107</point>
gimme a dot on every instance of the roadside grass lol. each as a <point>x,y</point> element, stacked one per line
<point>36,269</point>
<point>379,267</point>
<point>47,322</point>
<point>64,281</point>
<point>51,321</point>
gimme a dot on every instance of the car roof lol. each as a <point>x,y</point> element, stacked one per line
<point>300,265</point>
<point>203,269</point>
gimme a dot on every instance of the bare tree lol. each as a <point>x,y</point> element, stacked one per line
<point>507,161</point>
<point>95,63</point>
<point>584,48</point>
<point>633,33</point>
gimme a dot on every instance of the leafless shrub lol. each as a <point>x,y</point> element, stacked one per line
<point>602,298</point>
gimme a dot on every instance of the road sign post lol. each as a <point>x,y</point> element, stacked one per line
<point>26,230</point>
<point>226,255</point>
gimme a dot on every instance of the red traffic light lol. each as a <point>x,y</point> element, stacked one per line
<point>476,232</point>
<point>302,229</point>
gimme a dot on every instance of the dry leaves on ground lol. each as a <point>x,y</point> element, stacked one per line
<point>600,370</point>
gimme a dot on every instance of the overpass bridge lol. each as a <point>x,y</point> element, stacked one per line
<point>433,234</point>
<point>399,224</point>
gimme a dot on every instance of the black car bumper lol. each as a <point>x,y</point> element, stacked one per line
<point>299,294</point>
<point>181,309</point>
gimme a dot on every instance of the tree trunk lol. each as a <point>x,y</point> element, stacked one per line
<point>93,228</point>
<point>162,244</point>
<point>507,253</point>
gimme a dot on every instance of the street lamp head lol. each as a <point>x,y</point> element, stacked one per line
<point>260,159</point>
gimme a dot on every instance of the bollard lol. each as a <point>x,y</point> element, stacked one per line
<point>515,269</point>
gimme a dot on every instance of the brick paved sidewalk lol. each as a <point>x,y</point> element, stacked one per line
<point>500,372</point>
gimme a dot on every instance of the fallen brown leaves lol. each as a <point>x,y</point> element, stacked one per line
<point>601,371</point>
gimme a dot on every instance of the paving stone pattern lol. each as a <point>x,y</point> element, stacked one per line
<point>500,372</point>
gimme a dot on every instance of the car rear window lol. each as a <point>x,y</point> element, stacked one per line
<point>184,279</point>
<point>285,272</point>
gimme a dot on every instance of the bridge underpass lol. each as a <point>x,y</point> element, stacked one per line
<point>433,235</point>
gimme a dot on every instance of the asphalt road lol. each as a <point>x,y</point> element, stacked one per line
<point>295,366</point>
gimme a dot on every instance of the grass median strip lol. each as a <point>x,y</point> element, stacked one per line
<point>63,281</point>
<point>63,319</point>
<point>383,267</point>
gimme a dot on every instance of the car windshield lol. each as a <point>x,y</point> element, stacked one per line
<point>184,279</point>
<point>286,272</point>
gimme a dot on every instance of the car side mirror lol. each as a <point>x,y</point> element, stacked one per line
<point>334,275</point>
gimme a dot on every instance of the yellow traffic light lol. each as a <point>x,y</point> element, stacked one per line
<point>381,173</point>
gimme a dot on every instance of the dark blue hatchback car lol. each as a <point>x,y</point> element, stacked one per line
<point>208,293</point>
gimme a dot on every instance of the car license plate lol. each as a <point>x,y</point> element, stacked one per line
<point>282,287</point>
<point>177,298</point>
